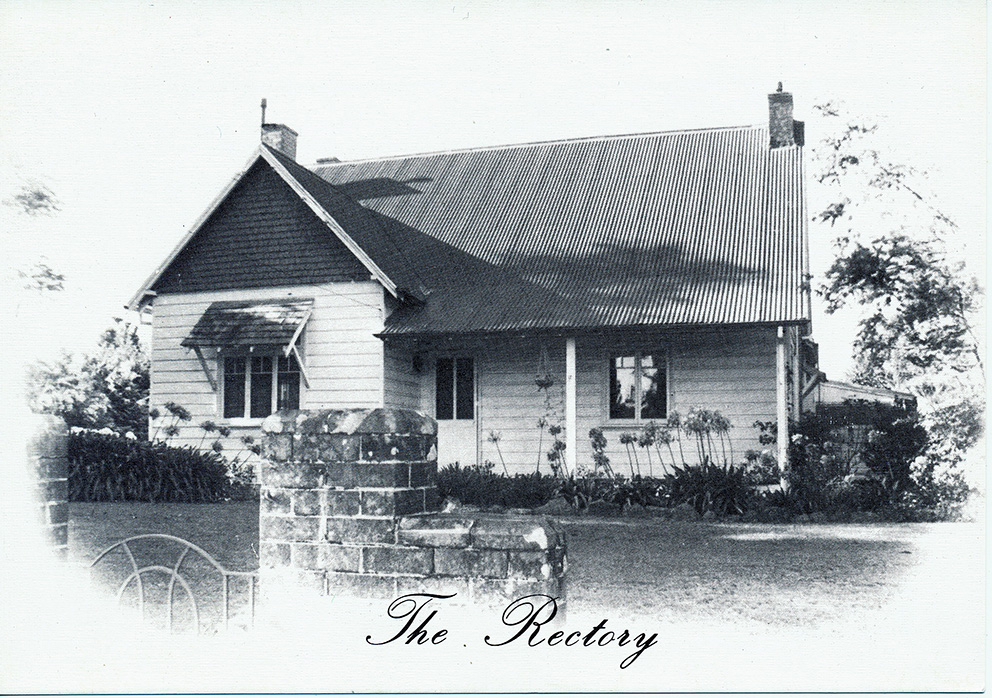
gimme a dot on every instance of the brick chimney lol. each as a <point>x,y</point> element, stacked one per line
<point>782,128</point>
<point>280,137</point>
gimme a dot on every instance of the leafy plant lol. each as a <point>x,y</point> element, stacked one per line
<point>108,467</point>
<point>710,487</point>
<point>601,462</point>
<point>479,485</point>
<point>494,438</point>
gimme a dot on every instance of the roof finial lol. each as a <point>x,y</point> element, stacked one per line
<point>778,90</point>
<point>264,104</point>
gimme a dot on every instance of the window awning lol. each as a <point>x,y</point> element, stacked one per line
<point>244,324</point>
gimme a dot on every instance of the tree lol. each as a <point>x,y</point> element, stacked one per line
<point>34,198</point>
<point>918,304</point>
<point>105,389</point>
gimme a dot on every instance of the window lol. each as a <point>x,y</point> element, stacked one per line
<point>257,386</point>
<point>638,387</point>
<point>454,389</point>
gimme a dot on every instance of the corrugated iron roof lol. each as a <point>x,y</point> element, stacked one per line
<point>675,228</point>
<point>229,324</point>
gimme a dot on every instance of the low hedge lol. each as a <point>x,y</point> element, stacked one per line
<point>112,468</point>
<point>480,486</point>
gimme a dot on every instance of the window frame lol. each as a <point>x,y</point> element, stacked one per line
<point>454,388</point>
<point>246,419</point>
<point>638,354</point>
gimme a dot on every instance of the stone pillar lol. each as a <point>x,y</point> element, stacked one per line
<point>48,462</point>
<point>349,508</point>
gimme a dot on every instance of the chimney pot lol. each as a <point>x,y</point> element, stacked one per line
<point>280,137</point>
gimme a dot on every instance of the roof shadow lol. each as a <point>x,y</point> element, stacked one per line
<point>379,188</point>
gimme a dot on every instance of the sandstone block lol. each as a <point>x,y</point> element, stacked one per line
<point>435,531</point>
<point>339,558</point>
<point>343,502</point>
<point>306,502</point>
<point>360,530</point>
<point>459,562</point>
<point>529,565</point>
<point>514,534</point>
<point>290,528</point>
<point>396,560</point>
<point>397,502</point>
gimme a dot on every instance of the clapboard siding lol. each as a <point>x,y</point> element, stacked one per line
<point>402,382</point>
<point>732,371</point>
<point>344,359</point>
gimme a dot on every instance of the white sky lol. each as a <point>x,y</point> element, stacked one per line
<point>137,114</point>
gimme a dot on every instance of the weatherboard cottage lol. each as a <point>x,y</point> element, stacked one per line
<point>595,283</point>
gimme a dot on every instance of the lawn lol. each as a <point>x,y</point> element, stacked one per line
<point>770,575</point>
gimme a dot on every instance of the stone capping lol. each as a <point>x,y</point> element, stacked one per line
<point>350,421</point>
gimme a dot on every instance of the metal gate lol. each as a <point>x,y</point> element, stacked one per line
<point>177,568</point>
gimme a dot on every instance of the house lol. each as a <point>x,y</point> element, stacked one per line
<point>595,282</point>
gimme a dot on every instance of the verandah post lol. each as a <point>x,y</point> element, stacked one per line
<point>782,415</point>
<point>570,440</point>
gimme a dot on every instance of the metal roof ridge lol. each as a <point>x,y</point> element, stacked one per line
<point>507,146</point>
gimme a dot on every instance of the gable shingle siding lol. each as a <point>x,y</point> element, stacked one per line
<point>261,236</point>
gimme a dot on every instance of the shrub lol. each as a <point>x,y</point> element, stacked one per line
<point>710,487</point>
<point>853,493</point>
<point>761,468</point>
<point>111,468</point>
<point>826,446</point>
<point>479,485</point>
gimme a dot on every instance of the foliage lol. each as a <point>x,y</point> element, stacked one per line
<point>479,485</point>
<point>104,389</point>
<point>551,421</point>
<point>601,462</point>
<point>34,198</point>
<point>918,304</point>
<point>494,438</point>
<point>761,467</point>
<point>710,487</point>
<point>703,428</point>
<point>853,493</point>
<point>827,447</point>
<point>580,492</point>
<point>109,467</point>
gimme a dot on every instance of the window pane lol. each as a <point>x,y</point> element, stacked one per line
<point>653,389</point>
<point>288,390</point>
<point>465,391</point>
<point>234,387</point>
<point>444,389</point>
<point>622,387</point>
<point>261,386</point>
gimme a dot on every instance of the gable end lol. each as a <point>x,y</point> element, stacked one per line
<point>262,235</point>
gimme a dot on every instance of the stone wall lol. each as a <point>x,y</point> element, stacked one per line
<point>349,506</point>
<point>48,462</point>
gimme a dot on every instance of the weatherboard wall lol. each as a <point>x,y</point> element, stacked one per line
<point>343,357</point>
<point>730,370</point>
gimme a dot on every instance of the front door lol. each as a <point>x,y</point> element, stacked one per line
<point>455,410</point>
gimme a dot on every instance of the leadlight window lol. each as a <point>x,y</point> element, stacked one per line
<point>638,386</point>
